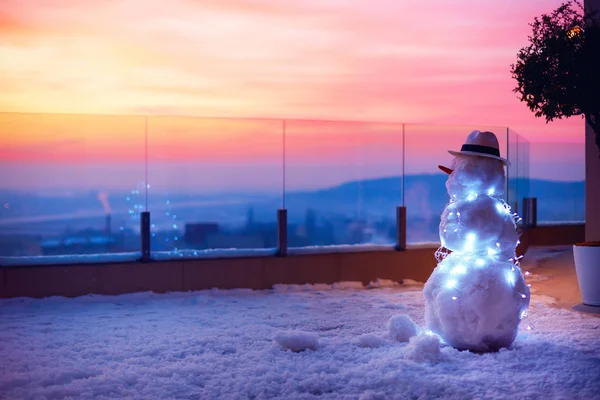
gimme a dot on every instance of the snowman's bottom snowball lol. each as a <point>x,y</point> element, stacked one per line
<point>475,303</point>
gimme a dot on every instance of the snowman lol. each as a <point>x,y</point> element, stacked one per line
<point>476,296</point>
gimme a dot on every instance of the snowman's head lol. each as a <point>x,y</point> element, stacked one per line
<point>474,176</point>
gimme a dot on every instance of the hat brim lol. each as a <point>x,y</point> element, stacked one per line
<point>473,153</point>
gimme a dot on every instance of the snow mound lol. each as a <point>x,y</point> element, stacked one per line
<point>219,344</point>
<point>425,347</point>
<point>348,285</point>
<point>371,340</point>
<point>372,395</point>
<point>411,282</point>
<point>296,341</point>
<point>401,328</point>
<point>382,283</point>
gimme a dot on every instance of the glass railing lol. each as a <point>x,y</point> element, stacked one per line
<point>214,184</point>
<point>518,172</point>
<point>75,185</point>
<point>70,184</point>
<point>557,180</point>
<point>343,182</point>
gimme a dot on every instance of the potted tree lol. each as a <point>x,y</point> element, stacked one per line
<point>558,76</point>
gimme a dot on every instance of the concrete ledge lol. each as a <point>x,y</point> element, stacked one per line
<point>252,272</point>
<point>159,277</point>
<point>44,281</point>
<point>557,235</point>
<point>223,273</point>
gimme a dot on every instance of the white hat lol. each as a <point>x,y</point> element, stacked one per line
<point>483,144</point>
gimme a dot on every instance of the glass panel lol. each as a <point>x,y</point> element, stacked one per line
<point>214,184</point>
<point>65,184</point>
<point>512,172</point>
<point>426,147</point>
<point>343,182</point>
<point>558,181</point>
<point>522,171</point>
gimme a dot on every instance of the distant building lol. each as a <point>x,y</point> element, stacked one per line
<point>197,233</point>
<point>94,244</point>
<point>19,246</point>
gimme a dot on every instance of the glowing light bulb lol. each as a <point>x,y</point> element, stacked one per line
<point>490,191</point>
<point>491,252</point>
<point>528,327</point>
<point>471,196</point>
<point>523,295</point>
<point>451,284</point>
<point>500,208</point>
<point>459,270</point>
<point>480,262</point>
<point>458,213</point>
<point>497,244</point>
<point>526,272</point>
<point>510,278</point>
<point>454,297</point>
<point>450,214</point>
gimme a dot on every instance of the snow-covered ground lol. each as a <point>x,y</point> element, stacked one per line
<point>292,342</point>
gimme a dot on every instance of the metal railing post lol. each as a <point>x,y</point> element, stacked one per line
<point>400,228</point>
<point>282,233</point>
<point>533,212</point>
<point>530,212</point>
<point>145,235</point>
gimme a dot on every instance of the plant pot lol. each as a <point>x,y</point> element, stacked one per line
<point>587,266</point>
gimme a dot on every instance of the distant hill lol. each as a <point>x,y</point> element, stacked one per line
<point>427,193</point>
<point>370,199</point>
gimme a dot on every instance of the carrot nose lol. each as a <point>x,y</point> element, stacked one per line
<point>445,169</point>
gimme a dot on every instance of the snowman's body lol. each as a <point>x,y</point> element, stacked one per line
<point>476,296</point>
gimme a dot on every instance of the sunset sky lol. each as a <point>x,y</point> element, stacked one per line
<point>437,62</point>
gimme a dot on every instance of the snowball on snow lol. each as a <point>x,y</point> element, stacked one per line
<point>382,283</point>
<point>401,328</point>
<point>348,285</point>
<point>411,282</point>
<point>296,340</point>
<point>371,340</point>
<point>425,347</point>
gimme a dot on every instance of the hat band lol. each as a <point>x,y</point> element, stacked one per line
<point>477,148</point>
